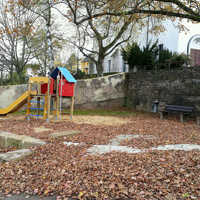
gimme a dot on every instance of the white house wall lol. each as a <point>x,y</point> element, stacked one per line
<point>194,29</point>
<point>117,63</point>
<point>171,39</point>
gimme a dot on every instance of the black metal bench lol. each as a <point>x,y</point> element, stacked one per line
<point>178,109</point>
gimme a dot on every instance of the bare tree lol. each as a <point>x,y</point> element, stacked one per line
<point>106,33</point>
<point>189,9</point>
<point>169,8</point>
<point>40,46</point>
<point>50,39</point>
<point>16,32</point>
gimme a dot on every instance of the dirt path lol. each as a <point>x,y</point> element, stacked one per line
<point>100,120</point>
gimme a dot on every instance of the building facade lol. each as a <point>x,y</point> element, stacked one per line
<point>172,39</point>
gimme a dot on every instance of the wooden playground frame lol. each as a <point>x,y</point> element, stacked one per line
<point>47,98</point>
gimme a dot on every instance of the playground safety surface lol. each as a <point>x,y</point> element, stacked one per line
<point>69,171</point>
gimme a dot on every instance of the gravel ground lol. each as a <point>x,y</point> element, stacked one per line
<point>58,169</point>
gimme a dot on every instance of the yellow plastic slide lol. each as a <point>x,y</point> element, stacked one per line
<point>18,103</point>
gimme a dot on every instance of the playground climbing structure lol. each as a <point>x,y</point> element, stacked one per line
<point>45,94</point>
<point>60,84</point>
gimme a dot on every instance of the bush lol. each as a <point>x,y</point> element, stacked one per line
<point>79,74</point>
<point>164,55</point>
<point>149,57</point>
<point>178,60</point>
<point>169,60</point>
<point>132,54</point>
<point>82,75</point>
<point>164,58</point>
<point>142,58</point>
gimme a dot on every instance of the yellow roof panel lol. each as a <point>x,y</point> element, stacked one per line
<point>38,80</point>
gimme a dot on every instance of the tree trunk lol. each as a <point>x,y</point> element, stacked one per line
<point>45,60</point>
<point>48,36</point>
<point>21,78</point>
<point>11,74</point>
<point>1,79</point>
<point>12,65</point>
<point>99,65</point>
<point>20,75</point>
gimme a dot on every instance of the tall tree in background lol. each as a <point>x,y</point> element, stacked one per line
<point>16,32</point>
<point>43,9</point>
<point>39,44</point>
<point>46,6</point>
<point>106,33</point>
<point>72,61</point>
<point>189,9</point>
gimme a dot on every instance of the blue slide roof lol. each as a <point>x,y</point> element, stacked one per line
<point>68,76</point>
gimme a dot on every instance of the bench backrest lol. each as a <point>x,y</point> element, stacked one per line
<point>179,108</point>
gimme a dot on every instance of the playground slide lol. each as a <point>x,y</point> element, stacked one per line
<point>18,103</point>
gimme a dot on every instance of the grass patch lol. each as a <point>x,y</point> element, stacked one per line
<point>103,112</point>
<point>118,112</point>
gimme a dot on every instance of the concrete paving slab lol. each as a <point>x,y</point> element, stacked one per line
<point>101,149</point>
<point>64,133</point>
<point>41,129</point>
<point>22,141</point>
<point>176,147</point>
<point>71,143</point>
<point>114,145</point>
<point>15,155</point>
<point>25,197</point>
<point>118,139</point>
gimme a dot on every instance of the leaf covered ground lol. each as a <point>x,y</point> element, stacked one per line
<point>69,171</point>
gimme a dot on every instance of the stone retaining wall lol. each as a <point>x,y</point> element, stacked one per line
<point>100,92</point>
<point>92,93</point>
<point>10,93</point>
<point>181,87</point>
<point>140,90</point>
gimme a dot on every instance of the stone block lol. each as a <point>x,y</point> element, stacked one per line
<point>2,141</point>
<point>9,142</point>
<point>64,133</point>
<point>14,155</point>
<point>29,143</point>
<point>20,141</point>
